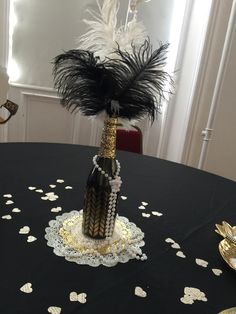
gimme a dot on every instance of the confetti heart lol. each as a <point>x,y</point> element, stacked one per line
<point>54,310</point>
<point>24,230</point>
<point>175,246</point>
<point>139,292</point>
<point>60,180</point>
<point>194,294</point>
<point>27,288</point>
<point>56,209</point>
<point>31,188</point>
<point>124,197</point>
<point>180,254</point>
<point>7,217</point>
<point>157,213</point>
<point>146,215</point>
<point>144,203</point>
<point>169,240</point>
<point>7,195</point>
<point>16,210</point>
<point>39,191</point>
<point>81,297</point>
<point>68,187</point>
<point>142,207</point>
<point>9,202</point>
<point>52,186</point>
<point>217,271</point>
<point>201,262</point>
<point>31,239</point>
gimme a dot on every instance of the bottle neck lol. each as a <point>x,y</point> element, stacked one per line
<point>108,140</point>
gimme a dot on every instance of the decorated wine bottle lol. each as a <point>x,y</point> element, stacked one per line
<point>103,185</point>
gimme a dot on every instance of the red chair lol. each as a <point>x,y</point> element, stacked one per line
<point>129,140</point>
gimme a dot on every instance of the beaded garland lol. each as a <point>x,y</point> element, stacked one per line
<point>115,184</point>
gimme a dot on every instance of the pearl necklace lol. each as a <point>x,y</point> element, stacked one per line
<point>115,184</point>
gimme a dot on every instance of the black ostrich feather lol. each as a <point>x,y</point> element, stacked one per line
<point>134,82</point>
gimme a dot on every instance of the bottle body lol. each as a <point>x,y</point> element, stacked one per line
<point>100,202</point>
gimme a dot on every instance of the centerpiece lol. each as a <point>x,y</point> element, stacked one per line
<point>120,80</point>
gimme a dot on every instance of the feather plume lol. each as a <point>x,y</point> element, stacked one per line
<point>129,87</point>
<point>103,34</point>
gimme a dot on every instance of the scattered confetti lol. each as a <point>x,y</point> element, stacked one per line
<point>139,292</point>
<point>201,262</point>
<point>54,310</point>
<point>123,197</point>
<point>217,271</point>
<point>169,240</point>
<point>180,254</point>
<point>142,207</point>
<point>31,239</point>
<point>7,217</point>
<point>31,188</point>
<point>144,203</point>
<point>175,246</point>
<point>16,210</point>
<point>146,215</point>
<point>60,180</point>
<point>24,230</point>
<point>68,187</point>
<point>27,288</point>
<point>81,297</point>
<point>56,209</point>
<point>52,186</point>
<point>7,195</point>
<point>9,202</point>
<point>39,191</point>
<point>157,213</point>
<point>193,294</point>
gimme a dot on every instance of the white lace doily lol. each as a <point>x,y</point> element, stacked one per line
<point>65,235</point>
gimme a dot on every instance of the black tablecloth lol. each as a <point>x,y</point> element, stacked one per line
<point>191,201</point>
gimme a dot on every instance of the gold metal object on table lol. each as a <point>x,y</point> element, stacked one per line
<point>232,310</point>
<point>227,247</point>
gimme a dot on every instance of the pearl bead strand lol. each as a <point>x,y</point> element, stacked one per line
<point>115,184</point>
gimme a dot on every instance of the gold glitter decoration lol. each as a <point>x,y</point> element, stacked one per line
<point>108,141</point>
<point>120,242</point>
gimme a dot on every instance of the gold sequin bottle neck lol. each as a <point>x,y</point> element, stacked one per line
<point>108,140</point>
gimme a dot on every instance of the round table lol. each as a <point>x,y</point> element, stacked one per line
<point>191,203</point>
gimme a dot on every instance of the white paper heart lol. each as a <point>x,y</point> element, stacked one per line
<point>123,197</point>
<point>24,230</point>
<point>52,186</point>
<point>56,209</point>
<point>68,187</point>
<point>180,254</point>
<point>7,195</point>
<point>139,292</point>
<point>194,294</point>
<point>217,271</point>
<point>16,210</point>
<point>146,215</point>
<point>7,217</point>
<point>201,262</point>
<point>9,202</point>
<point>31,239</point>
<point>80,297</point>
<point>27,288</point>
<point>142,207</point>
<point>31,188</point>
<point>60,180</point>
<point>54,310</point>
<point>144,203</point>
<point>39,191</point>
<point>169,240</point>
<point>157,213</point>
<point>175,246</point>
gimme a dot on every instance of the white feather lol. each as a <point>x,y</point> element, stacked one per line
<point>103,35</point>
